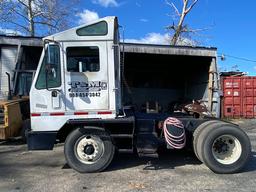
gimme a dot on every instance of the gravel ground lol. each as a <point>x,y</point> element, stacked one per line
<point>22,170</point>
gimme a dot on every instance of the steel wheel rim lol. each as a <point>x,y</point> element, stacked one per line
<point>226,149</point>
<point>94,142</point>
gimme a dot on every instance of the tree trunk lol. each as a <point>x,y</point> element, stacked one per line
<point>178,30</point>
<point>31,19</point>
<point>176,35</point>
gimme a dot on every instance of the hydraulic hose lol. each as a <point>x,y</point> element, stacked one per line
<point>177,141</point>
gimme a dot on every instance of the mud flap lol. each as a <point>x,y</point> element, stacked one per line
<point>41,140</point>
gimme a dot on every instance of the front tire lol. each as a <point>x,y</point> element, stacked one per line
<point>89,149</point>
<point>224,148</point>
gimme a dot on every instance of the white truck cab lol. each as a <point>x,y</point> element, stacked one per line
<point>77,76</point>
<point>76,97</point>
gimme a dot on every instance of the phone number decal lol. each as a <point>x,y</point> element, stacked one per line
<point>93,94</point>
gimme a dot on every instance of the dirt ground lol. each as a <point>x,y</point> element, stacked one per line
<point>22,170</point>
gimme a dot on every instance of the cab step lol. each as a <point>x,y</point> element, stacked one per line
<point>125,150</point>
<point>148,155</point>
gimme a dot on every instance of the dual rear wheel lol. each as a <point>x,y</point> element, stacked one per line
<point>221,146</point>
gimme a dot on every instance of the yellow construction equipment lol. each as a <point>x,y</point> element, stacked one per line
<point>11,117</point>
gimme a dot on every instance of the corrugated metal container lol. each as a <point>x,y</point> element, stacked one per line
<point>239,97</point>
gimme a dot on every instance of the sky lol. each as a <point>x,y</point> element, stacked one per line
<point>230,25</point>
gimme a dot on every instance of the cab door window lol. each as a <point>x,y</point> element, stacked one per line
<point>50,69</point>
<point>83,59</point>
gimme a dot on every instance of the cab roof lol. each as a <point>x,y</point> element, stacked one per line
<point>72,34</point>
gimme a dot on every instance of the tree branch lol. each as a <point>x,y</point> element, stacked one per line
<point>38,14</point>
<point>21,2</point>
<point>191,6</point>
<point>196,30</point>
<point>19,25</point>
<point>24,17</point>
<point>46,23</point>
<point>174,7</point>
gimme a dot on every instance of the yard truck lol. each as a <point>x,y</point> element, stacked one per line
<point>100,96</point>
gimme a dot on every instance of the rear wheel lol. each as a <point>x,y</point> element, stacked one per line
<point>89,150</point>
<point>198,131</point>
<point>224,148</point>
<point>198,140</point>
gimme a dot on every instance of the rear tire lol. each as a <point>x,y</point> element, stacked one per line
<point>224,148</point>
<point>199,139</point>
<point>89,149</point>
<point>198,131</point>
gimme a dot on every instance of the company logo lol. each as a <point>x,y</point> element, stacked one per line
<point>86,89</point>
<point>80,86</point>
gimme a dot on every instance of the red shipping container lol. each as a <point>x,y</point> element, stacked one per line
<point>239,97</point>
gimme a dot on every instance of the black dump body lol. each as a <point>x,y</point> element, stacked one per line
<point>156,75</point>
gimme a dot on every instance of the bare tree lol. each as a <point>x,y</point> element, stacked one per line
<point>31,16</point>
<point>180,27</point>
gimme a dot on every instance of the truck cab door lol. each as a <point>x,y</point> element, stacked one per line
<point>86,76</point>
<point>46,94</point>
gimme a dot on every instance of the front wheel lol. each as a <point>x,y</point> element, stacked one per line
<point>224,148</point>
<point>89,150</point>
